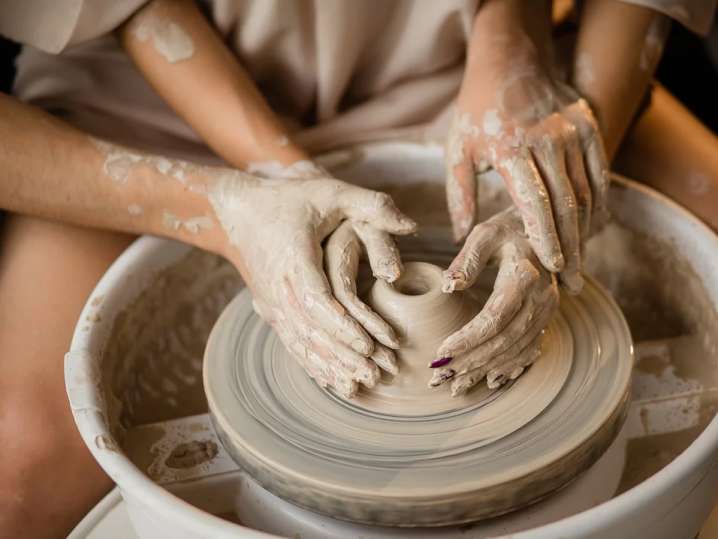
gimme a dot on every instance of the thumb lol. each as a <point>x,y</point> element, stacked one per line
<point>375,208</point>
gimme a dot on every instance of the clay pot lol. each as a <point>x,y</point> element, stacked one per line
<point>422,316</point>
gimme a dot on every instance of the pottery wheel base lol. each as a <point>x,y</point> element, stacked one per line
<point>495,452</point>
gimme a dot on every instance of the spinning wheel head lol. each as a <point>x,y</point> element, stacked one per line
<point>403,454</point>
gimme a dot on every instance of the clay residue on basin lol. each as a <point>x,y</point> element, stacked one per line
<point>153,358</point>
<point>648,454</point>
<point>189,454</point>
<point>659,293</point>
<point>675,330</point>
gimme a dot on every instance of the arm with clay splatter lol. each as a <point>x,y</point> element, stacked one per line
<point>271,229</point>
<point>614,74</point>
<point>184,58</point>
<point>505,337</point>
<point>324,324</point>
<point>52,170</point>
<point>515,115</point>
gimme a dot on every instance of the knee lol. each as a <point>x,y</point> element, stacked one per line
<point>31,448</point>
<point>48,479</point>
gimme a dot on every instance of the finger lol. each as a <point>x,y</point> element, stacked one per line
<point>466,267</point>
<point>511,370</point>
<point>513,282</point>
<point>599,178</point>
<point>365,205</point>
<point>532,199</point>
<point>594,154</point>
<point>315,359</point>
<point>460,189</point>
<point>339,359</point>
<point>341,258</point>
<point>385,359</point>
<point>550,158</point>
<point>345,387</point>
<point>576,169</point>
<point>315,366</point>
<point>362,369</point>
<point>381,251</point>
<point>262,310</point>
<point>501,363</point>
<point>312,364</point>
<point>310,290</point>
<point>441,375</point>
<point>471,368</point>
<point>461,384</point>
<point>338,379</point>
<point>531,319</point>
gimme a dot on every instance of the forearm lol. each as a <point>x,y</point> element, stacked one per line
<point>511,33</point>
<point>515,114</point>
<point>51,170</point>
<point>510,56</point>
<point>187,63</point>
<point>614,74</point>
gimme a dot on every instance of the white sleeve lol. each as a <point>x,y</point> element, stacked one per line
<point>696,15</point>
<point>53,25</point>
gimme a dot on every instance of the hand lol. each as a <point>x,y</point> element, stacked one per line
<point>341,260</point>
<point>504,338</point>
<point>275,228</point>
<point>545,143</point>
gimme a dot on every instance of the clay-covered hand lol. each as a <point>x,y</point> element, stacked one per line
<point>545,142</point>
<point>504,337</point>
<point>275,229</point>
<point>342,254</point>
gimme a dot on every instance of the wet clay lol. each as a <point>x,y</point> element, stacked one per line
<point>405,454</point>
<point>152,368</point>
<point>168,38</point>
<point>658,292</point>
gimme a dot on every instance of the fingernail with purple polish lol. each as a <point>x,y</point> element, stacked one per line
<point>440,362</point>
<point>443,377</point>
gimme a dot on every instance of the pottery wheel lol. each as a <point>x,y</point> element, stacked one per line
<point>376,459</point>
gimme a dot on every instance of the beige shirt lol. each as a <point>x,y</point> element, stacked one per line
<point>340,71</point>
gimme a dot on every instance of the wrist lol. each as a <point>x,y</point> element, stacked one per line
<point>267,145</point>
<point>173,198</point>
<point>509,36</point>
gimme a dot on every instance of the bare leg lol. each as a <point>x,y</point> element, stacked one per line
<point>48,479</point>
<point>673,152</point>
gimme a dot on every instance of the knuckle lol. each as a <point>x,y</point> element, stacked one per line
<point>470,263</point>
<point>571,133</point>
<point>334,185</point>
<point>528,273</point>
<point>383,201</point>
<point>544,139</point>
<point>344,293</point>
<point>583,193</point>
<point>568,201</point>
<point>487,229</point>
<point>326,301</point>
<point>346,231</point>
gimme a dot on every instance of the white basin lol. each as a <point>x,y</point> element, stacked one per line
<point>134,356</point>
